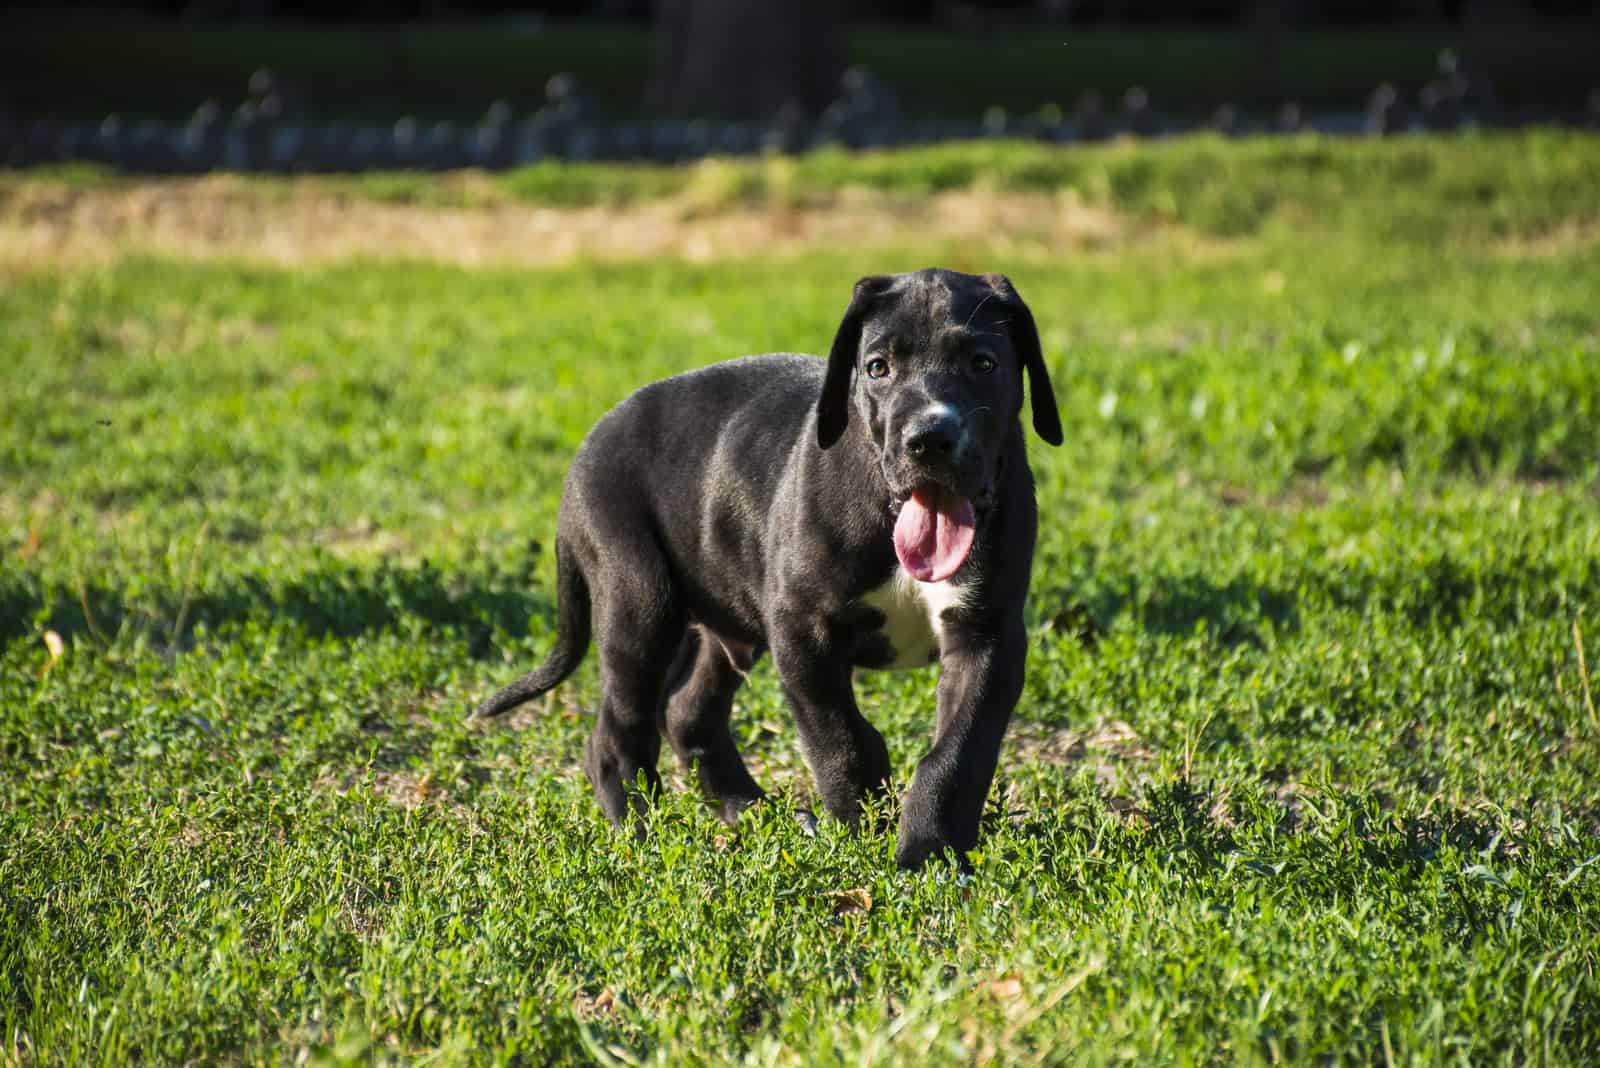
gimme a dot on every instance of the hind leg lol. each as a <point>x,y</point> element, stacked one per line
<point>698,710</point>
<point>639,627</point>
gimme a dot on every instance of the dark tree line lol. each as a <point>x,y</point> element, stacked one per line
<point>761,59</point>
<point>953,12</point>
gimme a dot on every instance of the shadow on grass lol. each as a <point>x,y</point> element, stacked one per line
<point>1321,839</point>
<point>1235,611</point>
<point>329,599</point>
<point>1442,592</point>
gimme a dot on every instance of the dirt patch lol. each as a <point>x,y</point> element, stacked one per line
<point>408,789</point>
<point>1110,742</point>
<point>47,223</point>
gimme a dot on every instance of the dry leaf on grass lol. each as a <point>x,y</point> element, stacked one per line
<point>1008,988</point>
<point>57,647</point>
<point>849,902</point>
<point>590,1007</point>
<point>1128,809</point>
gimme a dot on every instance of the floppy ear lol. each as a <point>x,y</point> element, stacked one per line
<point>1025,340</point>
<point>833,407</point>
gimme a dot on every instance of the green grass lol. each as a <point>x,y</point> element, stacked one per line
<point>87,66</point>
<point>1305,768</point>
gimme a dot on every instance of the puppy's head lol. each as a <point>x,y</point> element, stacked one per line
<point>931,364</point>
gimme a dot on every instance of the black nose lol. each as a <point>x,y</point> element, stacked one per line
<point>932,440</point>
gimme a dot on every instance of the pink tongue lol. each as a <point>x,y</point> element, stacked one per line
<point>933,534</point>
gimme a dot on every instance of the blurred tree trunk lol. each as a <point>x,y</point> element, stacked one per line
<point>746,59</point>
<point>1268,20</point>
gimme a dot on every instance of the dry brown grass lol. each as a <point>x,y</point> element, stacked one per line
<point>1567,236</point>
<point>47,223</point>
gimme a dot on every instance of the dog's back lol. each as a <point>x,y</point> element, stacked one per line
<point>703,485</point>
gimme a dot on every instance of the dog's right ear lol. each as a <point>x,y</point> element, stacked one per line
<point>833,407</point>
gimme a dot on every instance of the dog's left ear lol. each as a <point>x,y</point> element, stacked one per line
<point>833,407</point>
<point>1025,341</point>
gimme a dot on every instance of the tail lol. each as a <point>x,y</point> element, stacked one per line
<point>572,640</point>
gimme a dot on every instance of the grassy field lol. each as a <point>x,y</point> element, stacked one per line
<point>1306,768</point>
<point>83,65</point>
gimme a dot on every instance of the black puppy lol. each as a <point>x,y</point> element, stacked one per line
<point>873,511</point>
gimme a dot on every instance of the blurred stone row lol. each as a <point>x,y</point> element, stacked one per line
<point>271,132</point>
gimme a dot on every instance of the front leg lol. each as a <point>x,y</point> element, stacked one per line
<point>847,755</point>
<point>980,680</point>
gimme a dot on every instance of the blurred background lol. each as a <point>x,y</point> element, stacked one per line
<point>175,87</point>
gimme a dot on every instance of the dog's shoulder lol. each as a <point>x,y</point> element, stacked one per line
<point>751,375</point>
<point>772,390</point>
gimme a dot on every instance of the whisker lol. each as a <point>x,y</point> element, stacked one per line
<point>975,309</point>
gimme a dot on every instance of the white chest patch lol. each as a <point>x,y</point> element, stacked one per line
<point>913,617</point>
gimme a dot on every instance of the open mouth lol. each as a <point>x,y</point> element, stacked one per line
<point>934,532</point>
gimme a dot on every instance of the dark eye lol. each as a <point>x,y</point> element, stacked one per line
<point>877,367</point>
<point>983,363</point>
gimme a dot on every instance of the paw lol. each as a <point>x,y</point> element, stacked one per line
<point>913,850</point>
<point>923,840</point>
